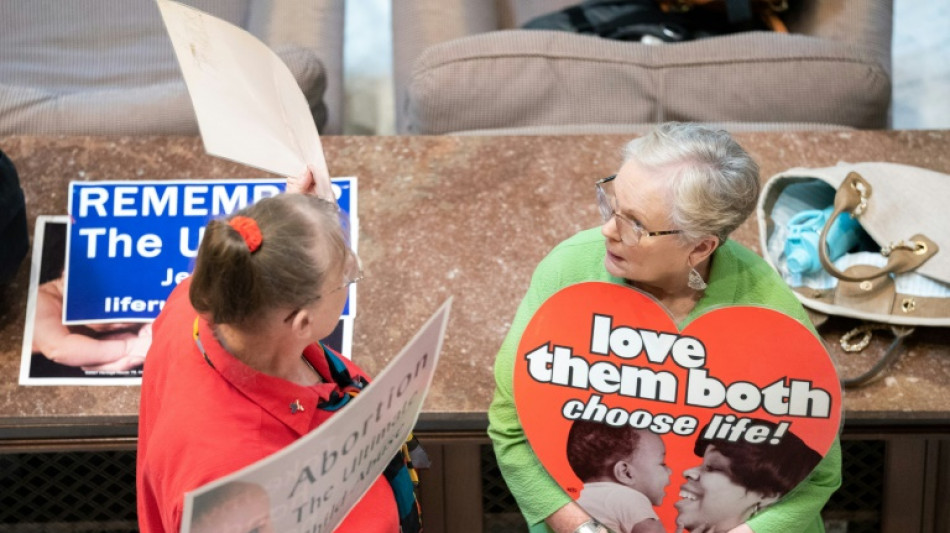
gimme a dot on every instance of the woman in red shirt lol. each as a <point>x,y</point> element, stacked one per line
<point>236,371</point>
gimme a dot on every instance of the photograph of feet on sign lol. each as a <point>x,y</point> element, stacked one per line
<point>653,428</point>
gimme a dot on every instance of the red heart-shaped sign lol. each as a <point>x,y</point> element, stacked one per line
<point>746,393</point>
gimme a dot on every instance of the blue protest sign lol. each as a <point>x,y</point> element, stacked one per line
<point>131,242</point>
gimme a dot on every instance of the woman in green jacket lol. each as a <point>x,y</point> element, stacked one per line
<point>668,213</point>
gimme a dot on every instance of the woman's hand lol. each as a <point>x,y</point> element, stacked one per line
<point>700,529</point>
<point>567,518</point>
<point>741,528</point>
<point>311,182</point>
<point>136,346</point>
<point>60,344</point>
<point>120,365</point>
<point>650,525</point>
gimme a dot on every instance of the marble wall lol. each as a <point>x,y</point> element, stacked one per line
<point>921,64</point>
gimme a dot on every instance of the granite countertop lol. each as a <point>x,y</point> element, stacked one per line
<point>468,217</point>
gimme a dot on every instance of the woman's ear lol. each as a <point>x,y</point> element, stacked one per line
<point>703,249</point>
<point>302,324</point>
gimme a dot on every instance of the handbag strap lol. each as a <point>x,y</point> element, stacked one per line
<point>853,197</point>
<point>887,358</point>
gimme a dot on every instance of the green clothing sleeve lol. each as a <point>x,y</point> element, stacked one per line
<point>537,493</point>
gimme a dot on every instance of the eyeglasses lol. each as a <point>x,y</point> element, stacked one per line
<point>630,230</point>
<point>352,273</point>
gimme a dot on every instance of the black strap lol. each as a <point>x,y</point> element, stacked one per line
<point>739,11</point>
<point>579,19</point>
<point>634,26</point>
<point>632,20</point>
<point>581,23</point>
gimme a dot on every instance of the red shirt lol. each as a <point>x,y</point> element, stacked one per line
<point>198,423</point>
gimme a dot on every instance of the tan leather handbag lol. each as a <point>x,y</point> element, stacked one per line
<point>869,241</point>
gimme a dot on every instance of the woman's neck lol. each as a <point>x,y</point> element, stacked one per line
<point>267,351</point>
<point>678,297</point>
<point>679,304</point>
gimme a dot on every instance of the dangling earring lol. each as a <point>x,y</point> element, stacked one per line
<point>696,281</point>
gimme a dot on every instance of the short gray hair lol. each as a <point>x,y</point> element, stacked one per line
<point>714,182</point>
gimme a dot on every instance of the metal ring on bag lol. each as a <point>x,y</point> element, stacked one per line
<point>863,197</point>
<point>908,305</point>
<point>846,344</point>
<point>890,355</point>
<point>920,247</point>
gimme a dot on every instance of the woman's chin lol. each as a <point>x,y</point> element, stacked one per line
<point>685,506</point>
<point>613,265</point>
<point>682,504</point>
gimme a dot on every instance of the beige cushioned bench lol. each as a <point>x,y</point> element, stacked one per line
<point>102,67</point>
<point>462,65</point>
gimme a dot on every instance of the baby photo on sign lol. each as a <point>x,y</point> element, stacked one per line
<point>625,476</point>
<point>652,428</point>
<point>624,473</point>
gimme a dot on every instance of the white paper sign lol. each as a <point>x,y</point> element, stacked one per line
<point>248,104</point>
<point>312,484</point>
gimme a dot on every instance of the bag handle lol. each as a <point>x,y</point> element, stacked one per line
<point>903,256</point>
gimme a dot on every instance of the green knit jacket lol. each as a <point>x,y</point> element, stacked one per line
<point>737,277</point>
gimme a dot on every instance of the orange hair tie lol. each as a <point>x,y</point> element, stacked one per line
<point>249,230</point>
